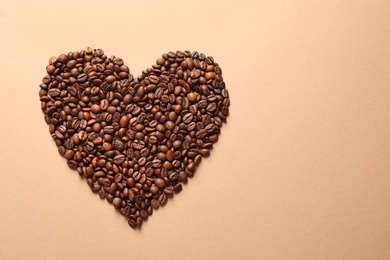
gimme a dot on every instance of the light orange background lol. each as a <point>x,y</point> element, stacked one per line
<point>301,170</point>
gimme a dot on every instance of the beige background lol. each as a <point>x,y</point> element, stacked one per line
<point>302,168</point>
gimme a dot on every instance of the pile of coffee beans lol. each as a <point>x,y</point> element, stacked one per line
<point>135,140</point>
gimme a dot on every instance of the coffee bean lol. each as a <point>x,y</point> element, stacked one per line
<point>137,175</point>
<point>160,183</point>
<point>54,92</point>
<point>102,193</point>
<point>116,202</point>
<point>153,79</point>
<point>169,125</point>
<point>155,203</point>
<point>82,77</point>
<point>69,154</point>
<point>183,177</point>
<point>113,188</point>
<point>187,118</point>
<point>109,129</point>
<point>132,223</point>
<point>72,164</point>
<point>144,214</point>
<point>95,108</point>
<point>205,152</point>
<point>124,121</point>
<point>63,59</point>
<point>135,140</point>
<point>201,133</point>
<point>167,165</point>
<point>168,191</point>
<point>177,188</point>
<point>198,159</point>
<point>96,187</point>
<point>119,159</point>
<point>191,166</point>
<point>163,199</point>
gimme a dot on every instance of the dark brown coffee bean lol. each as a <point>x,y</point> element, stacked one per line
<point>96,187</point>
<point>205,152</point>
<point>72,164</point>
<point>213,138</point>
<point>117,144</point>
<point>144,214</point>
<point>132,223</point>
<point>177,188</point>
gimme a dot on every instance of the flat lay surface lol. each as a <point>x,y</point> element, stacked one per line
<point>300,170</point>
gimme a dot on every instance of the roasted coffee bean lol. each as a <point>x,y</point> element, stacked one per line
<point>155,203</point>
<point>198,159</point>
<point>95,108</point>
<point>132,223</point>
<point>119,159</point>
<point>72,164</point>
<point>96,187</point>
<point>201,133</point>
<point>160,183</point>
<point>102,193</point>
<point>168,191</point>
<point>187,118</point>
<point>117,144</point>
<point>163,199</point>
<point>117,202</point>
<point>177,188</point>
<point>69,154</point>
<point>54,92</point>
<point>108,129</point>
<point>135,140</point>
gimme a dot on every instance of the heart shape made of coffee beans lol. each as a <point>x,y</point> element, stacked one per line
<point>135,140</point>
